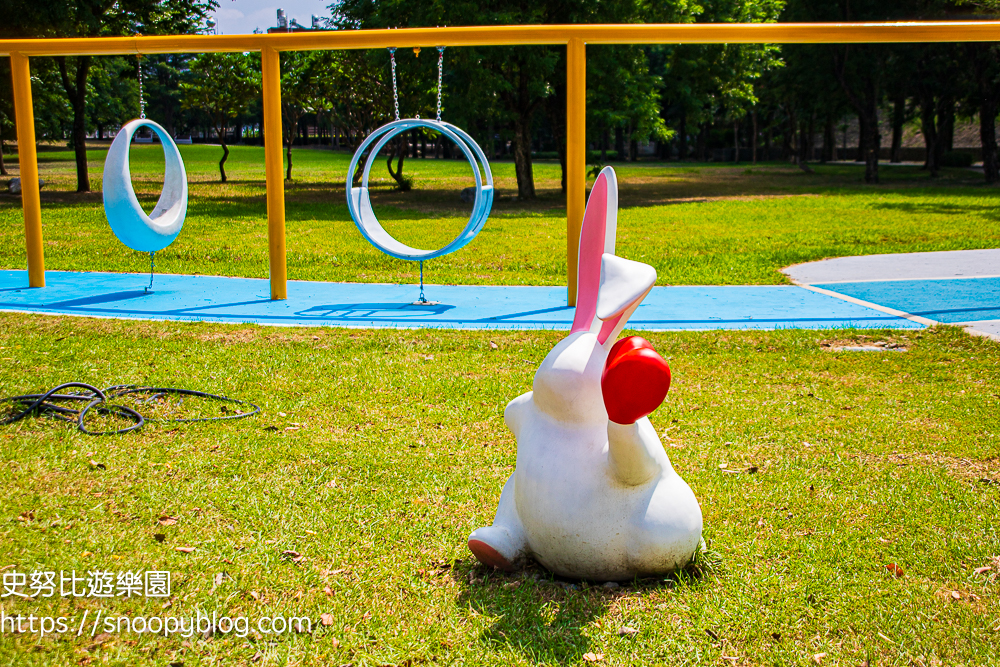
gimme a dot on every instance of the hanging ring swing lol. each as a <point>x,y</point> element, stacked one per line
<point>145,233</point>
<point>359,202</point>
<point>141,232</point>
<point>358,199</point>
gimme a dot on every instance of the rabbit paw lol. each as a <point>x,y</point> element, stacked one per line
<point>635,380</point>
<point>494,546</point>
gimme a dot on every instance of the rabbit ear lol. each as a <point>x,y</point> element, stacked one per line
<point>624,284</point>
<point>597,237</point>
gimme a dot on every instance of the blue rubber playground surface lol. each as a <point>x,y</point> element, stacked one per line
<point>246,300</point>
<point>949,301</point>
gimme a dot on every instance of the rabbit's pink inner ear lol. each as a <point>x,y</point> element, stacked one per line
<point>592,237</point>
<point>607,328</point>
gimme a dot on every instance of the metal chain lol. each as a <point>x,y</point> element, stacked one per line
<point>142,102</point>
<point>440,71</point>
<point>395,93</point>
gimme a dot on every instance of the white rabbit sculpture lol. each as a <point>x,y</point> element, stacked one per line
<point>591,497</point>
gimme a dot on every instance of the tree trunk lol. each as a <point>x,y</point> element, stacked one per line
<point>522,158</point>
<point>945,127</point>
<point>988,138</point>
<point>864,96</point>
<point>76,91</point>
<point>701,145</point>
<point>620,143</point>
<point>402,148</point>
<point>605,140</point>
<point>753,152</point>
<point>555,112</point>
<point>736,142</point>
<point>929,129</point>
<point>225,156</point>
<point>898,117</point>
<point>682,137</point>
<point>288,170</point>
<point>872,142</point>
<point>862,138</point>
<point>3,167</point>
<point>789,138</point>
<point>805,146</point>
<point>829,141</point>
<point>985,65</point>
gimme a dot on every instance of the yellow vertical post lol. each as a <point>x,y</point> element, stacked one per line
<point>28,166</point>
<point>273,167</point>
<point>576,156</point>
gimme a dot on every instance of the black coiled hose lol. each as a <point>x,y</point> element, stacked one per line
<point>100,401</point>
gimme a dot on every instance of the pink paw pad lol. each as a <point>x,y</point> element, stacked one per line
<point>487,555</point>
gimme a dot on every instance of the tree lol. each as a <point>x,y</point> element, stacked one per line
<point>6,109</point>
<point>301,93</point>
<point>112,94</point>
<point>983,90</point>
<point>984,95</point>
<point>95,18</point>
<point>223,85</point>
<point>623,96</point>
<point>515,82</point>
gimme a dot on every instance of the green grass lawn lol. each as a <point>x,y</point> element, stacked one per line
<point>696,224</point>
<point>350,497</point>
<point>377,452</point>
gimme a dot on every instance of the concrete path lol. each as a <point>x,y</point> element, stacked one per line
<point>957,287</point>
<point>906,266</point>
<point>241,300</point>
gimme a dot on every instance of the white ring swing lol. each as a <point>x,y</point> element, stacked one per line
<point>359,202</point>
<point>141,232</point>
<point>360,206</point>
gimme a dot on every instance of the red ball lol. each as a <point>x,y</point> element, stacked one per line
<point>635,380</point>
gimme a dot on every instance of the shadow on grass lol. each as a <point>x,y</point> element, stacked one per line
<point>920,208</point>
<point>545,618</point>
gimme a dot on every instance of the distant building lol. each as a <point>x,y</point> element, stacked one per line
<point>286,25</point>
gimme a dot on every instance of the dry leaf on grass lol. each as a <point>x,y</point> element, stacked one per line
<point>295,556</point>
<point>326,619</point>
<point>328,591</point>
<point>184,550</point>
<point>167,520</point>
<point>896,570</point>
<point>818,658</point>
<point>627,631</point>
<point>593,657</point>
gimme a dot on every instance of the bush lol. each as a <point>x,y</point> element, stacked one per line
<point>956,159</point>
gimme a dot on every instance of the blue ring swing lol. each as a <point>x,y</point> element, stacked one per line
<point>359,202</point>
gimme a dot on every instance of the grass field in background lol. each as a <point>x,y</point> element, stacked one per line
<point>850,499</point>
<point>377,452</point>
<point>696,224</point>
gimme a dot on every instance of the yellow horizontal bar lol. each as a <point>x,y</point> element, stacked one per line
<point>691,33</point>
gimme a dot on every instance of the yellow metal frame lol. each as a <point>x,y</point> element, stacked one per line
<point>575,37</point>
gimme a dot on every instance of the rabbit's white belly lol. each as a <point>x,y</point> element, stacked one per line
<point>579,521</point>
